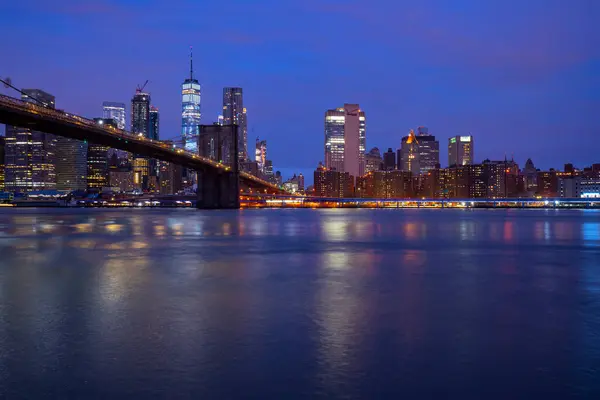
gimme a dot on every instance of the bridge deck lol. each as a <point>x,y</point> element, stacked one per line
<point>21,113</point>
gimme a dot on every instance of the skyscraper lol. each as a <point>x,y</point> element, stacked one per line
<point>140,113</point>
<point>190,110</point>
<point>30,155</point>
<point>234,112</point>
<point>261,154</point>
<point>429,150</point>
<point>154,123</point>
<point>2,143</point>
<point>460,150</point>
<point>140,125</point>
<point>97,160</point>
<point>345,139</point>
<point>409,159</point>
<point>114,111</point>
<point>419,154</point>
<point>389,160</point>
<point>71,164</point>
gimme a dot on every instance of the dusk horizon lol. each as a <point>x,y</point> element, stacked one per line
<point>522,83</point>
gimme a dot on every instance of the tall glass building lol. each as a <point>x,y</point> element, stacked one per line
<point>30,156</point>
<point>234,112</point>
<point>71,164</point>
<point>140,114</point>
<point>461,150</point>
<point>345,139</point>
<point>114,111</point>
<point>190,111</point>
<point>154,121</point>
<point>97,160</point>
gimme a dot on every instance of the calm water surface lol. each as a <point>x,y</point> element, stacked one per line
<point>299,304</point>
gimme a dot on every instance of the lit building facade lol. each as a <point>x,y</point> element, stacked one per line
<point>154,123</point>
<point>140,114</point>
<point>234,112</point>
<point>331,183</point>
<point>140,125</point>
<point>170,178</point>
<point>121,179</point>
<point>2,143</point>
<point>409,156</point>
<point>373,160</point>
<point>547,183</point>
<point>345,139</point>
<point>190,111</point>
<point>116,112</point>
<point>429,150</point>
<point>97,160</point>
<point>71,164</point>
<point>260,154</point>
<point>589,188</point>
<point>30,156</point>
<point>461,150</point>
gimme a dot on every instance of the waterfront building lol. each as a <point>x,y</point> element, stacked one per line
<point>478,181</point>
<point>301,182</point>
<point>2,144</point>
<point>530,177</point>
<point>331,183</point>
<point>291,185</point>
<point>589,188</point>
<point>98,160</point>
<point>30,156</point>
<point>190,110</point>
<point>389,160</point>
<point>234,113</point>
<point>461,150</point>
<point>547,183</point>
<point>71,164</point>
<point>503,178</point>
<point>140,125</point>
<point>141,173</point>
<point>295,184</point>
<point>170,178</point>
<point>121,178</point>
<point>345,139</point>
<point>373,160</point>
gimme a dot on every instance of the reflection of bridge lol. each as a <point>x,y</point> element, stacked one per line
<point>218,184</point>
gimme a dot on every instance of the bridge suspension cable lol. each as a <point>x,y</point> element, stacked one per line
<point>8,84</point>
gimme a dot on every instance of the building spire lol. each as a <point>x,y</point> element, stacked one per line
<point>191,65</point>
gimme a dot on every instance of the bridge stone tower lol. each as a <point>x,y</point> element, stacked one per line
<point>219,189</point>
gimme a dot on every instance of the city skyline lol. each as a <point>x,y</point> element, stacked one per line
<point>515,102</point>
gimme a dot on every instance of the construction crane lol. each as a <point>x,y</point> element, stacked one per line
<point>141,89</point>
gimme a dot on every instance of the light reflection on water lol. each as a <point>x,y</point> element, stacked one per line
<point>299,303</point>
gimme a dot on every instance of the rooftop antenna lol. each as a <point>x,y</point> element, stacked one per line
<point>191,65</point>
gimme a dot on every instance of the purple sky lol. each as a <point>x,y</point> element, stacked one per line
<point>522,76</point>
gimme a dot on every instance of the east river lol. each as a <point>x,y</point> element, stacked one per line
<point>298,304</point>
